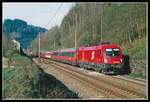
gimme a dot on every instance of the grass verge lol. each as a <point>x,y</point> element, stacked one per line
<point>138,75</point>
<point>25,80</point>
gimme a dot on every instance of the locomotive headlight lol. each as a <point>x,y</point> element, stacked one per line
<point>105,60</point>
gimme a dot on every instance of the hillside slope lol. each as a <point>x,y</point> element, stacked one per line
<point>23,79</point>
<point>122,24</point>
<point>21,31</point>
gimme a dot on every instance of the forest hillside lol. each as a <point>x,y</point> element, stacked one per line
<point>21,31</point>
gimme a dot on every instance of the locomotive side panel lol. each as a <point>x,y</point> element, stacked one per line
<point>105,58</point>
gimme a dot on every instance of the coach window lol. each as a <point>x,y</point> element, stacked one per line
<point>62,53</point>
<point>72,54</point>
<point>69,54</point>
<point>65,54</point>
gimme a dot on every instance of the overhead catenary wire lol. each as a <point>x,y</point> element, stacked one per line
<point>54,15</point>
<point>47,25</point>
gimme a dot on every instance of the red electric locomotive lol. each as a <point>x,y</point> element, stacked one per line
<point>104,58</point>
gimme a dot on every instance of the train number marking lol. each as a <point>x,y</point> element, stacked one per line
<point>92,57</point>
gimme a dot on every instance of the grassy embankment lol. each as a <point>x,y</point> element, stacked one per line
<point>137,52</point>
<point>27,80</point>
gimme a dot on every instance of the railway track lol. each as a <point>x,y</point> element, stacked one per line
<point>132,80</point>
<point>109,86</point>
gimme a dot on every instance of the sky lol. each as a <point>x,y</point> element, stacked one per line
<point>37,14</point>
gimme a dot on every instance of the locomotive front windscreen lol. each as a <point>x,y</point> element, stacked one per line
<point>112,52</point>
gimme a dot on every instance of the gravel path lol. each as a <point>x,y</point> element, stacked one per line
<point>82,82</point>
<point>84,91</point>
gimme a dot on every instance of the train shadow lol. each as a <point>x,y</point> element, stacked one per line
<point>126,69</point>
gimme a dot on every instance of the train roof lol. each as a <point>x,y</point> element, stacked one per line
<point>104,45</point>
<point>99,46</point>
<point>66,50</point>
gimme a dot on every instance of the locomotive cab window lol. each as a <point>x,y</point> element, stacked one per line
<point>109,52</point>
<point>116,52</point>
<point>112,52</point>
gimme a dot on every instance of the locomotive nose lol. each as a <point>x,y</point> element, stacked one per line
<point>116,62</point>
<point>121,60</point>
<point>113,60</point>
